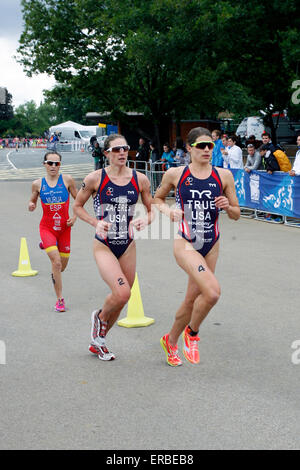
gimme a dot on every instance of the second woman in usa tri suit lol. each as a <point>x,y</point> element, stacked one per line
<point>115,191</point>
<point>201,191</point>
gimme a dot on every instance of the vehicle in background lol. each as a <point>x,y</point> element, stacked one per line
<point>250,126</point>
<point>70,131</point>
<point>286,131</point>
<point>100,140</point>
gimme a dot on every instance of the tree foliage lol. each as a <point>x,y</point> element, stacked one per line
<point>166,58</point>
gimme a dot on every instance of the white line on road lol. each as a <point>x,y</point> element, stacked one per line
<point>7,158</point>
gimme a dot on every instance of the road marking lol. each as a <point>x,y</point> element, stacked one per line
<point>7,158</point>
<point>77,171</point>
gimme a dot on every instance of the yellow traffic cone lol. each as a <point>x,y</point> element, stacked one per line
<point>135,311</point>
<point>24,268</point>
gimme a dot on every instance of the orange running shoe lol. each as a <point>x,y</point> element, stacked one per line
<point>172,356</point>
<point>190,347</point>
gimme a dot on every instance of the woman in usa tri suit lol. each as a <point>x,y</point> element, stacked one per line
<point>115,191</point>
<point>201,191</point>
<point>55,226</point>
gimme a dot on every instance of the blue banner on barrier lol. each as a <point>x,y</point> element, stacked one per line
<point>278,193</point>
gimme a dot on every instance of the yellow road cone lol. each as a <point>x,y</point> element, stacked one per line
<point>24,268</point>
<point>135,311</point>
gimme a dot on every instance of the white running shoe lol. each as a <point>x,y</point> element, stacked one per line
<point>98,347</point>
<point>98,333</point>
<point>98,327</point>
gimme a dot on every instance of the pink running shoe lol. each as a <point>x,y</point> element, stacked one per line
<point>60,305</point>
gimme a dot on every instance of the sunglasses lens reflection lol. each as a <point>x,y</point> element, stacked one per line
<point>203,145</point>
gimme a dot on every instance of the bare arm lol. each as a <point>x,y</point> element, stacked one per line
<point>35,192</point>
<point>168,182</point>
<point>145,190</point>
<point>229,201</point>
<point>71,185</point>
<point>88,187</point>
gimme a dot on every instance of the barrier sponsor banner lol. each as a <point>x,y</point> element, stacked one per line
<point>278,193</point>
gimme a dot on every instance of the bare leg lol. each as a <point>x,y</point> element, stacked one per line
<point>56,264</point>
<point>118,275</point>
<point>203,288</point>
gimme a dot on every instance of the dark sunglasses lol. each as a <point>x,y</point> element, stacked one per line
<point>203,144</point>
<point>52,163</point>
<point>118,149</point>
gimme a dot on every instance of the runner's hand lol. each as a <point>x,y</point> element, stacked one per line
<point>176,215</point>
<point>222,202</point>
<point>102,228</point>
<point>139,224</point>
<point>31,206</point>
<point>71,221</point>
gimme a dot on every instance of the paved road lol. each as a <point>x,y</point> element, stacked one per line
<point>56,395</point>
<point>26,164</point>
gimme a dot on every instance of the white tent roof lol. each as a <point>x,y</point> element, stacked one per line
<point>68,124</point>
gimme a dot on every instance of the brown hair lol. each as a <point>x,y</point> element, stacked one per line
<point>196,132</point>
<point>51,153</point>
<point>110,138</point>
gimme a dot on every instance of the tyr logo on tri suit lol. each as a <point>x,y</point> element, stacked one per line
<point>111,205</point>
<point>199,224</point>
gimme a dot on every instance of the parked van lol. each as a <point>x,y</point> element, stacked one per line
<point>285,133</point>
<point>70,131</point>
<point>250,126</point>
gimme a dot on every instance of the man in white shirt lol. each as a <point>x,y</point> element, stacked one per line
<point>295,171</point>
<point>233,156</point>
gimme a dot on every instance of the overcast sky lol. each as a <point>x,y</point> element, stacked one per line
<point>12,77</point>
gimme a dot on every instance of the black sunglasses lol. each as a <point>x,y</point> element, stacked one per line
<point>52,163</point>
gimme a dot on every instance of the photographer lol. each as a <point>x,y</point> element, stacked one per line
<point>98,156</point>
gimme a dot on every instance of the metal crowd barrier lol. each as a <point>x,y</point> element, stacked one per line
<point>155,171</point>
<point>73,146</point>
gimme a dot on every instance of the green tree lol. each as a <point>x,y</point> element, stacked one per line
<point>165,58</point>
<point>68,104</point>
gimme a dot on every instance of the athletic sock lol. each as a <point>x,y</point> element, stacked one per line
<point>192,332</point>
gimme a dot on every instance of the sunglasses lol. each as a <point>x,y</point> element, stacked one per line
<point>48,162</point>
<point>203,144</point>
<point>118,149</point>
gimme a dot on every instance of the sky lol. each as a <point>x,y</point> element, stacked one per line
<point>12,77</point>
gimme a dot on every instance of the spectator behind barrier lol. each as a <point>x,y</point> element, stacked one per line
<point>167,157</point>
<point>154,153</point>
<point>252,140</point>
<point>98,156</point>
<point>253,159</point>
<point>180,152</point>
<point>217,156</point>
<point>295,171</point>
<point>142,154</point>
<point>233,155</point>
<point>269,161</point>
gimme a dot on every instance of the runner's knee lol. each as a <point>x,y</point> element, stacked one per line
<point>122,295</point>
<point>211,295</point>
<point>56,264</point>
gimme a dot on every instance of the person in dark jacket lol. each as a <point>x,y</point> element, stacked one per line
<point>142,154</point>
<point>98,156</point>
<point>269,160</point>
